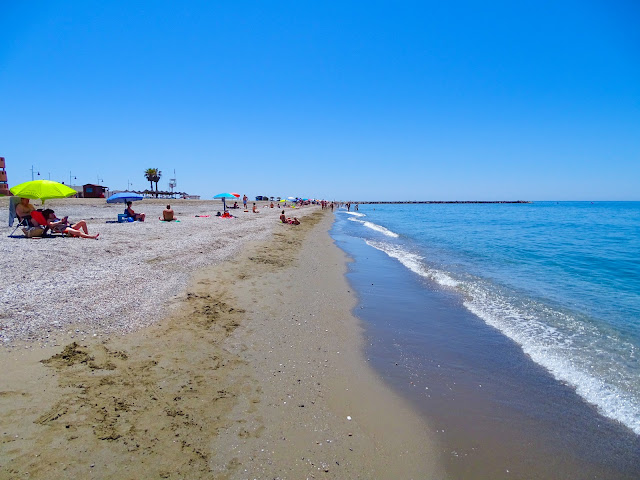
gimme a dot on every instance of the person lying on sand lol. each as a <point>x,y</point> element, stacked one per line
<point>78,229</point>
<point>167,214</point>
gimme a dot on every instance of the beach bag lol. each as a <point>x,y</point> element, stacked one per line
<point>33,232</point>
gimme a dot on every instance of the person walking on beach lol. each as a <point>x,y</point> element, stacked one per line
<point>244,201</point>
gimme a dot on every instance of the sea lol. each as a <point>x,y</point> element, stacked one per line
<point>508,325</point>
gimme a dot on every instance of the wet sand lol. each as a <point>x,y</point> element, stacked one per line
<point>254,371</point>
<point>495,412</point>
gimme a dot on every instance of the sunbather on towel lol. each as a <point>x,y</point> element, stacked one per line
<point>78,229</point>
<point>167,214</point>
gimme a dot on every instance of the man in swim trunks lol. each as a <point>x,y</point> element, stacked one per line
<point>24,209</point>
<point>167,214</point>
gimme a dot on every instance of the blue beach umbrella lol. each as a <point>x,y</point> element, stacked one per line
<point>124,197</point>
<point>224,196</point>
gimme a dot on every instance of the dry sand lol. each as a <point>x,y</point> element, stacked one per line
<point>253,369</point>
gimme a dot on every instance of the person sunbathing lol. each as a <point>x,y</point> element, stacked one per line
<point>255,209</point>
<point>292,221</point>
<point>78,229</point>
<point>24,209</point>
<point>130,213</point>
<point>167,214</point>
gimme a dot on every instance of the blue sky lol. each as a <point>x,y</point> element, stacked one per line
<point>457,100</point>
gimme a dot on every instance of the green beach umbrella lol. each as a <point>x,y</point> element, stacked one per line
<point>42,190</point>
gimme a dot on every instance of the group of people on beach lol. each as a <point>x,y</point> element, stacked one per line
<point>167,214</point>
<point>326,205</point>
<point>25,211</point>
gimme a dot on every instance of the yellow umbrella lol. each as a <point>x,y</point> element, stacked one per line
<point>42,190</point>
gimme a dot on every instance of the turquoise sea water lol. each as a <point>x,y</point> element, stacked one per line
<point>561,279</point>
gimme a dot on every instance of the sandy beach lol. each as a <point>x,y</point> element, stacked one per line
<point>208,348</point>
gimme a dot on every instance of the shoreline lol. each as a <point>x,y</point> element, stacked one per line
<point>497,413</point>
<point>254,372</point>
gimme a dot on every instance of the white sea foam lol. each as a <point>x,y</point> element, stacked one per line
<point>566,351</point>
<point>376,227</point>
<point>414,263</point>
<point>560,343</point>
<point>357,214</point>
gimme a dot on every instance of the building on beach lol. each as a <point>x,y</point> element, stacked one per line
<point>91,190</point>
<point>4,186</point>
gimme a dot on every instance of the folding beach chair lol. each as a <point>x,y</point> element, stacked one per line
<point>13,201</point>
<point>22,222</point>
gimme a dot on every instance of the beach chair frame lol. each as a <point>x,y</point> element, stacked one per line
<point>22,223</point>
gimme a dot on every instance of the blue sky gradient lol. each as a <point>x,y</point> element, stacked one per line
<point>458,100</point>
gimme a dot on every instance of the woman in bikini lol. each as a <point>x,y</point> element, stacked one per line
<point>136,216</point>
<point>78,229</point>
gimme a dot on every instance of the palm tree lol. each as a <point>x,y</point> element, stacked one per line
<point>150,174</point>
<point>156,179</point>
<point>153,175</point>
